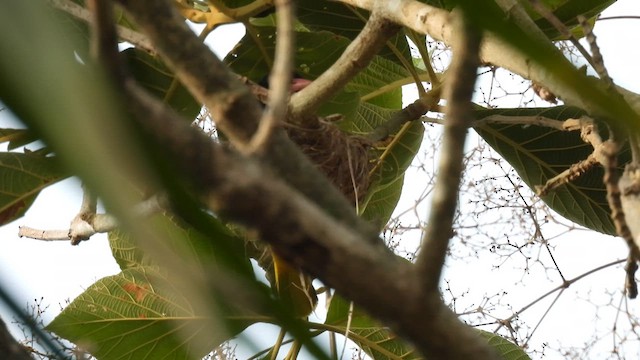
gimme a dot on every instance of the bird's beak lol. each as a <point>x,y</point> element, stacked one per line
<point>298,84</point>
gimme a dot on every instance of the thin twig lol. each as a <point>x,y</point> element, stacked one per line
<point>97,223</point>
<point>80,228</point>
<point>572,173</point>
<point>562,28</point>
<point>596,60</point>
<point>280,77</point>
<point>565,284</point>
<point>536,120</point>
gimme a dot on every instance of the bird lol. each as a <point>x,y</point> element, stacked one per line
<point>297,82</point>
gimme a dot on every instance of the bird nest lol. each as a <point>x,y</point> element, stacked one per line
<point>342,157</point>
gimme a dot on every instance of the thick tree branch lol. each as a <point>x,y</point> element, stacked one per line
<point>356,57</point>
<point>9,347</point>
<point>436,22</point>
<point>307,237</point>
<point>343,254</point>
<point>233,107</point>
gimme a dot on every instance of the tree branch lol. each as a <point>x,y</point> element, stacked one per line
<point>280,77</point>
<point>233,107</point>
<point>356,57</point>
<point>9,347</point>
<point>307,237</point>
<point>493,50</point>
<point>459,117</point>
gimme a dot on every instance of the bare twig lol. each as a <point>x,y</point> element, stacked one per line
<point>630,283</point>
<point>565,284</point>
<point>596,60</point>
<point>572,173</point>
<point>562,28</point>
<point>610,151</point>
<point>562,125</point>
<point>280,77</point>
<point>85,225</point>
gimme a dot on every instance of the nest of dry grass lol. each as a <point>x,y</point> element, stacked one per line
<point>343,158</point>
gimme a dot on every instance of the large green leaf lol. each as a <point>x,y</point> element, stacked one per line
<point>137,314</point>
<point>347,21</point>
<point>504,347</point>
<point>315,53</point>
<point>382,202</point>
<point>381,344</point>
<point>17,137</point>
<point>144,305</point>
<point>377,341</point>
<point>540,153</point>
<point>398,151</point>
<point>23,176</point>
<point>567,11</point>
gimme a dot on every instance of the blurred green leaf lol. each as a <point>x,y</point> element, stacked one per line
<point>186,242</point>
<point>17,137</point>
<point>23,177</point>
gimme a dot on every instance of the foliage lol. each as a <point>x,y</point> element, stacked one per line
<point>145,311</point>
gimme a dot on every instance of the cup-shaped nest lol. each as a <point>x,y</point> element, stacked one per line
<point>343,158</point>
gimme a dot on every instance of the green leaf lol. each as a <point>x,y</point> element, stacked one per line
<point>160,81</point>
<point>382,202</point>
<point>187,242</point>
<point>23,177</point>
<point>567,11</point>
<point>137,314</point>
<point>377,341</point>
<point>315,53</point>
<point>346,21</point>
<point>16,137</point>
<point>540,153</point>
<point>125,252</point>
<point>399,150</point>
<point>504,347</point>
